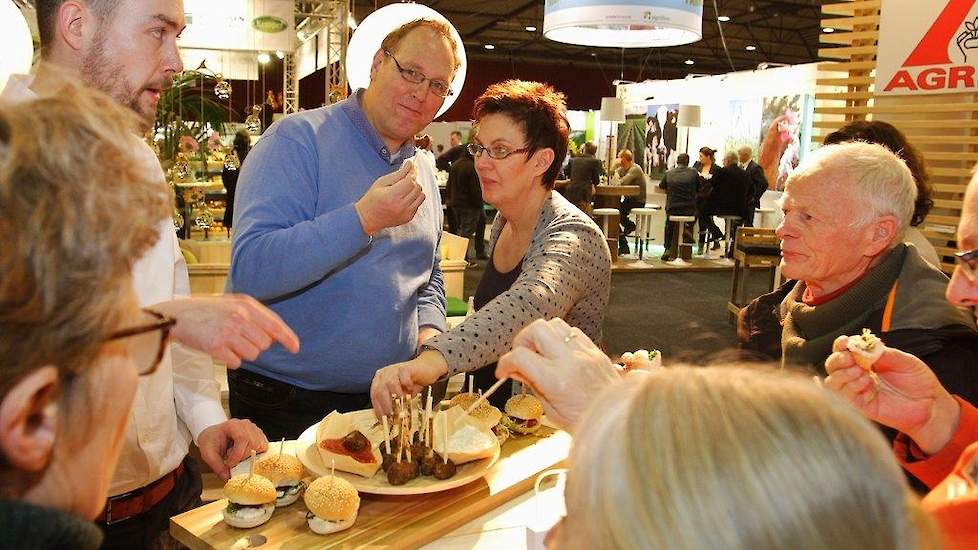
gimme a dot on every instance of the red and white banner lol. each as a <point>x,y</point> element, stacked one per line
<point>927,47</point>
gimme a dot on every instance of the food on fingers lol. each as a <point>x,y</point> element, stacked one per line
<point>866,349</point>
<point>523,414</point>
<point>641,360</point>
<point>251,500</point>
<point>285,472</point>
<point>333,505</point>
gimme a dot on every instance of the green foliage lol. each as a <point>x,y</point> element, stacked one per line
<point>186,109</point>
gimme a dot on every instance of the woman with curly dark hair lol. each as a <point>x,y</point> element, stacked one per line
<point>885,134</point>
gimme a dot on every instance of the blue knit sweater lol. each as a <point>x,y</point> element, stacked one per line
<point>356,303</point>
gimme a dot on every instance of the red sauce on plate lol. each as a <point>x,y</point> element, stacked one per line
<point>365,456</point>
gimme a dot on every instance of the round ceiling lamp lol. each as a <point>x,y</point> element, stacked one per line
<point>375,27</point>
<point>15,42</point>
<point>623,23</point>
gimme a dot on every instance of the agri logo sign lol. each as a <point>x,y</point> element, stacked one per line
<point>928,47</point>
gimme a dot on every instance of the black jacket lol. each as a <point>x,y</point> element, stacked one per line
<point>464,190</point>
<point>758,182</point>
<point>585,171</point>
<point>731,192</point>
<point>446,159</point>
<point>680,184</point>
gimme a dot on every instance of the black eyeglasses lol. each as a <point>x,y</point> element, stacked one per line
<point>148,340</point>
<point>438,87</point>
<point>499,152</point>
<point>968,262</point>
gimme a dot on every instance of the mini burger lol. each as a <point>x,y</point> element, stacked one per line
<point>485,413</point>
<point>333,504</point>
<point>523,414</point>
<point>251,500</point>
<point>866,348</point>
<point>285,472</point>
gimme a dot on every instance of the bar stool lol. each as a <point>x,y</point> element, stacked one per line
<point>730,224</point>
<point>643,227</point>
<point>684,250</point>
<point>608,218</point>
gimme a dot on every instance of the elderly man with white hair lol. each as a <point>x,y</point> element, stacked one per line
<point>846,210</point>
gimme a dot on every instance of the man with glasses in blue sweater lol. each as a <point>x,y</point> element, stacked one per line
<point>338,226</point>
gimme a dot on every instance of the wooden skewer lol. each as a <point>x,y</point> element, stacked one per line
<point>281,448</point>
<point>444,439</point>
<point>332,468</point>
<point>471,380</point>
<point>387,433</point>
<point>251,465</point>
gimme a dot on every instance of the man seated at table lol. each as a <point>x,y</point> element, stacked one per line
<point>680,185</point>
<point>845,213</point>
<point>628,173</point>
<point>585,174</point>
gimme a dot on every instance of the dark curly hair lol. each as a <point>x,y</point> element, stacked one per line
<point>885,134</point>
<point>541,112</point>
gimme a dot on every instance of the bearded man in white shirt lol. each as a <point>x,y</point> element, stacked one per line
<point>127,49</point>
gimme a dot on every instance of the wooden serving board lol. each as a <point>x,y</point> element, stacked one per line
<point>388,521</point>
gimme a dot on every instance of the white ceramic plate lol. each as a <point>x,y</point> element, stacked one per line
<point>377,485</point>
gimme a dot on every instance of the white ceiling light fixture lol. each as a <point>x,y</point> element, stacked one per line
<point>531,28</point>
<point>489,47</point>
<point>609,23</point>
<point>828,30</point>
<point>15,42</point>
<point>280,54</point>
<point>689,62</point>
<point>365,43</point>
<point>723,18</point>
<point>264,58</point>
<point>750,47</point>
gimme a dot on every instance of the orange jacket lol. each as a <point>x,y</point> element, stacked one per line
<point>952,474</point>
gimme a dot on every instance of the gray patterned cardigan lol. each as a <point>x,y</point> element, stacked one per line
<point>566,273</point>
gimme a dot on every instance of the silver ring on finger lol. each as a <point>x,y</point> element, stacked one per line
<point>569,337</point>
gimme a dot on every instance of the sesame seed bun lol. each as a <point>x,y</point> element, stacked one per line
<point>332,499</point>
<point>249,490</point>
<point>485,413</point>
<point>280,469</point>
<point>524,407</point>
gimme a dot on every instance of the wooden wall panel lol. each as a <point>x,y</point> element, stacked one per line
<point>943,127</point>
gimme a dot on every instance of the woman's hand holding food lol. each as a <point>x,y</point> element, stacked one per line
<point>562,366</point>
<point>908,397</point>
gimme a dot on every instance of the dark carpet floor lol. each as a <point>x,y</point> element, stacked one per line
<point>682,314</point>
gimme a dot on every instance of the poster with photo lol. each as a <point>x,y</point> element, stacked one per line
<point>661,137</point>
<point>744,125</point>
<point>786,123</point>
<point>631,136</point>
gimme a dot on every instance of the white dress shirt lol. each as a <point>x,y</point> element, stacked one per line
<point>181,398</point>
